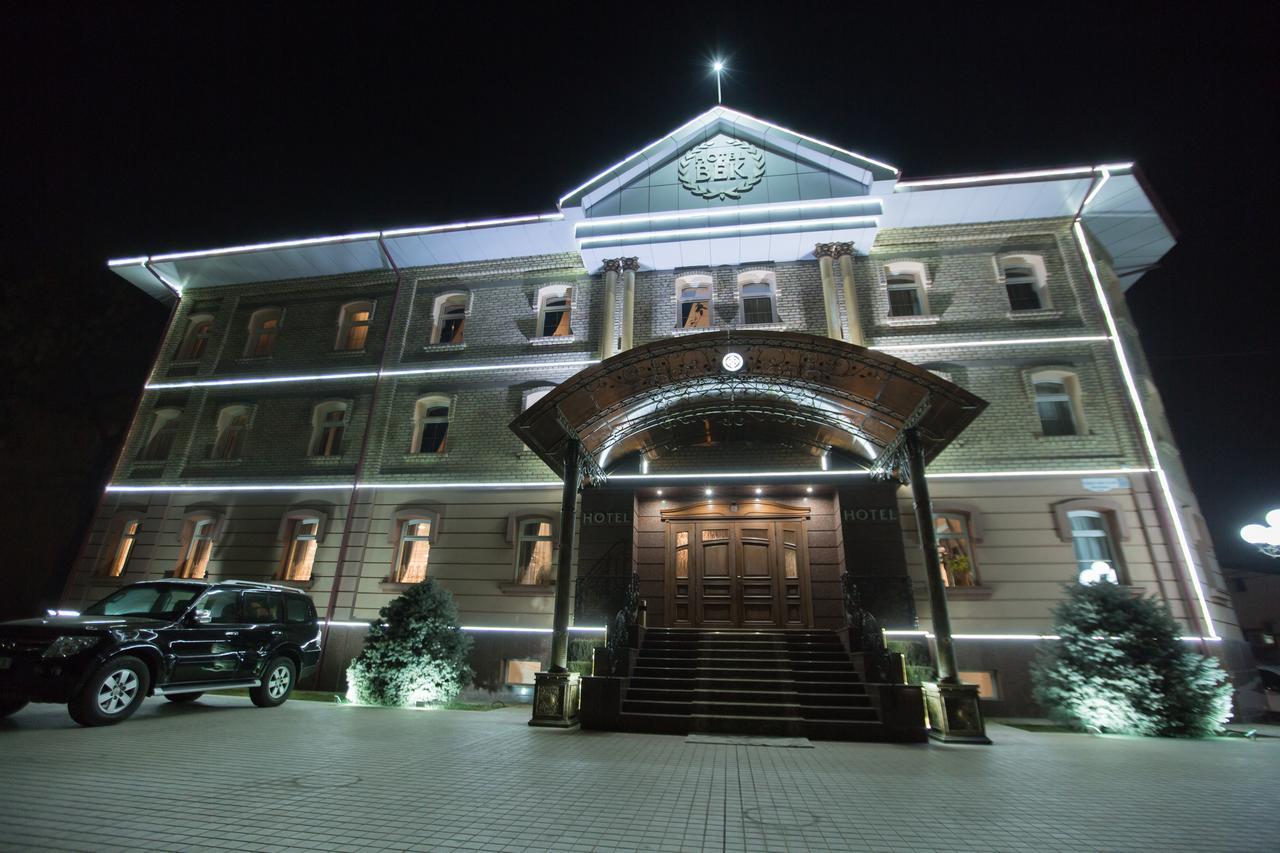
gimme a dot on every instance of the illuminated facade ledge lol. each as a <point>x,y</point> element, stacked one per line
<point>812,232</point>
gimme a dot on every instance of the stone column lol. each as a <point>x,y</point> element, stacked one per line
<point>824,253</point>
<point>844,252</point>
<point>954,713</point>
<point>608,343</point>
<point>555,692</point>
<point>629,267</point>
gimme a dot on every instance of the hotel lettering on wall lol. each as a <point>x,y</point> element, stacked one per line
<point>869,514</point>
<point>721,168</point>
<point>606,519</point>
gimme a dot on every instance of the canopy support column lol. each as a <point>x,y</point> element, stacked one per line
<point>608,338</point>
<point>824,252</point>
<point>954,713</point>
<point>556,691</point>
<point>844,251</point>
<point>629,267</point>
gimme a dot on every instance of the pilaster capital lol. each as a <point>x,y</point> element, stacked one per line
<point>841,249</point>
<point>631,264</point>
<point>825,250</point>
<point>611,265</point>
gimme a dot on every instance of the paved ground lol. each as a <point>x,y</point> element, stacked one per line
<point>224,775</point>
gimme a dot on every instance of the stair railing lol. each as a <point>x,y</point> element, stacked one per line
<point>620,629</point>
<point>865,634</point>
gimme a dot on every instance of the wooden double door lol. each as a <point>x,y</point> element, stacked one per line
<point>727,572</point>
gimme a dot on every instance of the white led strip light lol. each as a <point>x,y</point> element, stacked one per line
<point>368,374</point>
<point>1147,436</point>
<point>1075,339</point>
<point>1001,177</point>
<point>870,202</point>
<point>714,231</point>
<point>1028,637</point>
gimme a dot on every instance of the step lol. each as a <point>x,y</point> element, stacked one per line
<point>827,712</point>
<point>746,724</point>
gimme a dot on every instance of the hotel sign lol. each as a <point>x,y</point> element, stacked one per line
<point>721,168</point>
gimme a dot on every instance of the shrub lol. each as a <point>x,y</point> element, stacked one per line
<point>415,653</point>
<point>1121,668</point>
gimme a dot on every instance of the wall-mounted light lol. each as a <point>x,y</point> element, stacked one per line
<point>1265,536</point>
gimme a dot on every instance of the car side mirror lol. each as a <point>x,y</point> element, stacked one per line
<point>201,617</point>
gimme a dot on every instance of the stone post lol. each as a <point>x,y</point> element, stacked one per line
<point>954,713</point>
<point>555,692</point>
<point>824,253</point>
<point>844,252</point>
<point>608,339</point>
<point>629,267</point>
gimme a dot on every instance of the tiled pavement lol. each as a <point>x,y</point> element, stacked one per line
<point>221,774</point>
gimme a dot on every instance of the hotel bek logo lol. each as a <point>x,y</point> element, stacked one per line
<point>721,168</point>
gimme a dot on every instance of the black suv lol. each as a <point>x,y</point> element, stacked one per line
<point>174,638</point>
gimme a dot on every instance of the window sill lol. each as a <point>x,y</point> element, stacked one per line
<point>219,463</point>
<point>552,340</point>
<point>512,588</point>
<point>393,586</point>
<point>1036,314</point>
<point>450,347</point>
<point>324,460</point>
<point>914,320</point>
<point>254,359</point>
<point>149,464</point>
<point>347,352</point>
<point>423,457</point>
<point>762,327</point>
<point>306,584</point>
<point>969,593</point>
<point>677,333</point>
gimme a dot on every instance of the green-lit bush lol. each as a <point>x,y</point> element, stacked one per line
<point>1120,667</point>
<point>415,653</point>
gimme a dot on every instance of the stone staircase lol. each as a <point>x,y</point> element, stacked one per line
<point>777,682</point>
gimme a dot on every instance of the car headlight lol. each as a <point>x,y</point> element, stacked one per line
<point>65,647</point>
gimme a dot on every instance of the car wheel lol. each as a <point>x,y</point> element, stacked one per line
<point>277,683</point>
<point>111,693</point>
<point>12,704</point>
<point>182,697</point>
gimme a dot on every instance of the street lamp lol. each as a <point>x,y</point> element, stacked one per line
<point>1266,537</point>
<point>717,67</point>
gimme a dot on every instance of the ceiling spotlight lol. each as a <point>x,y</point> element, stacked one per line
<point>707,493</point>
<point>809,489</point>
<point>759,491</point>
<point>659,491</point>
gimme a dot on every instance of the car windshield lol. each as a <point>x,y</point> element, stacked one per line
<point>153,600</point>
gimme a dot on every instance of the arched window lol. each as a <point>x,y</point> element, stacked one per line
<point>264,325</point>
<point>300,548</point>
<point>533,395</point>
<point>430,425</point>
<point>1095,550</point>
<point>955,549</point>
<point>122,535</point>
<point>164,429</point>
<point>906,283</point>
<point>450,318</point>
<point>200,530</point>
<point>1057,395</point>
<point>328,423</point>
<point>196,340</point>
<point>693,302</point>
<point>1025,282</point>
<point>757,290</point>
<point>353,326</point>
<point>534,546</point>
<point>233,425</point>
<point>555,304</point>
<point>414,533</point>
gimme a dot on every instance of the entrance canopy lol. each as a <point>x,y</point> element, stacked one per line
<point>711,388</point>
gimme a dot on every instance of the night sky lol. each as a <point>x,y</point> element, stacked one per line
<point>145,130</point>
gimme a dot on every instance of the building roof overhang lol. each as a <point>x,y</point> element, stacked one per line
<point>791,389</point>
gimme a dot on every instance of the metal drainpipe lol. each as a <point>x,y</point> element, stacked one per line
<point>360,460</point>
<point>133,417</point>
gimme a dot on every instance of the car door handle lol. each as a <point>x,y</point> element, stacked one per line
<point>233,633</point>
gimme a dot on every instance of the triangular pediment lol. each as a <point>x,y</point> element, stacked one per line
<point>724,157</point>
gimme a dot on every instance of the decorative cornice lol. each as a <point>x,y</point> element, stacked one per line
<point>631,264</point>
<point>832,250</point>
<point>611,265</point>
<point>842,249</point>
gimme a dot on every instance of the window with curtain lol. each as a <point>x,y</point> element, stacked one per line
<point>328,424</point>
<point>124,534</point>
<point>554,310</point>
<point>534,548</point>
<point>196,340</point>
<point>431,425</point>
<point>451,318</point>
<point>413,551</point>
<point>233,425</point>
<point>693,296</point>
<point>1023,288</point>
<point>353,326</point>
<point>300,549</point>
<point>264,325</point>
<point>1055,404</point>
<point>199,546</point>
<point>1094,548</point>
<point>160,438</point>
<point>955,549</point>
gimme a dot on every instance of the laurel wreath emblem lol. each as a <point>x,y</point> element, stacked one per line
<point>685,172</point>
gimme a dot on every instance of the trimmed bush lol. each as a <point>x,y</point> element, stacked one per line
<point>1121,668</point>
<point>415,654</point>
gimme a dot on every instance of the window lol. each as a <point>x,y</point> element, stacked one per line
<point>298,609</point>
<point>1095,553</point>
<point>164,429</point>
<point>955,549</point>
<point>1024,281</point>
<point>121,537</point>
<point>415,548</point>
<point>430,425</point>
<point>300,549</point>
<point>264,325</point>
<point>328,423</point>
<point>221,605</point>
<point>906,282</point>
<point>757,291</point>
<point>197,548</point>
<point>693,298</point>
<point>196,340</point>
<point>353,326</point>
<point>521,672</point>
<point>259,608</point>
<point>534,551</point>
<point>1057,402</point>
<point>555,305</point>
<point>233,424</point>
<point>157,600</point>
<point>451,316</point>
